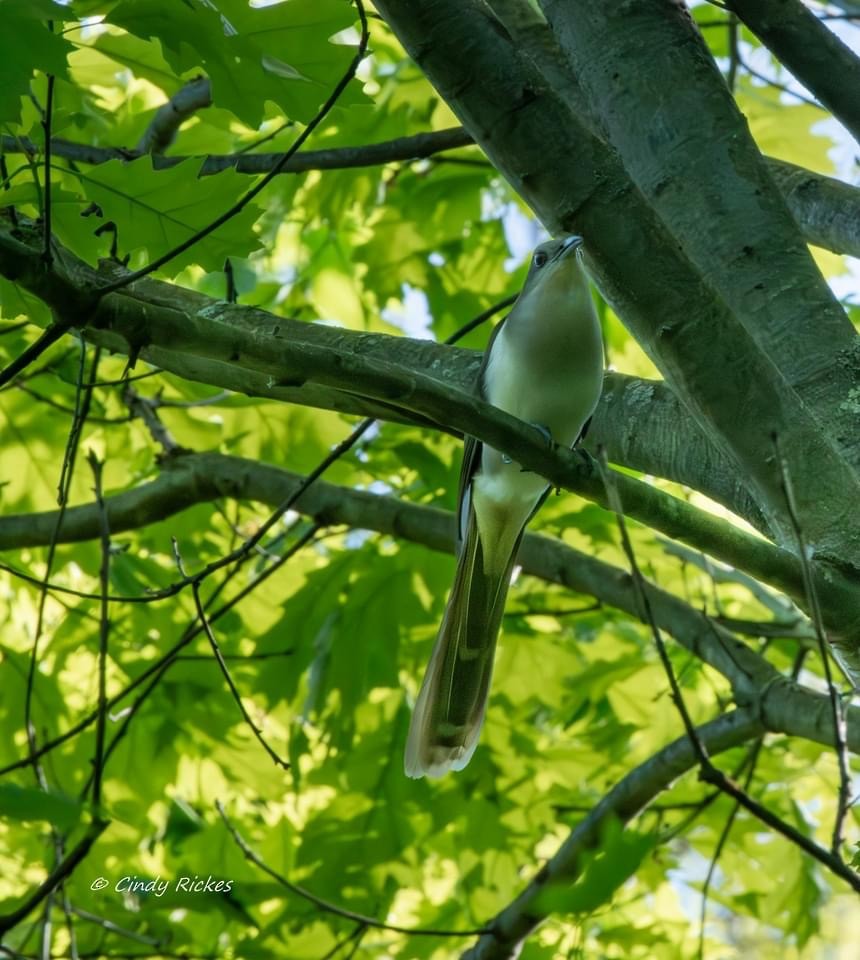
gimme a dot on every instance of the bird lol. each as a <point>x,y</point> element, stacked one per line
<point>543,364</point>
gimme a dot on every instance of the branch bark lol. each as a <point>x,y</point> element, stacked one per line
<point>416,147</point>
<point>653,85</point>
<point>162,129</point>
<point>633,422</point>
<point>825,208</point>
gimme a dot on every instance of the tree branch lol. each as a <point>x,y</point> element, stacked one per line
<point>416,147</point>
<point>780,704</point>
<point>827,210</point>
<point>324,905</point>
<point>162,129</point>
<point>812,52</point>
<point>639,422</point>
<point>310,356</point>
<point>706,168</point>
<point>194,478</point>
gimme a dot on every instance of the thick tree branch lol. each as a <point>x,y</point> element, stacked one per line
<point>812,52</point>
<point>233,347</point>
<point>637,424</point>
<point>317,356</point>
<point>194,478</point>
<point>838,366</point>
<point>635,420</point>
<point>752,255</point>
<point>645,67</point>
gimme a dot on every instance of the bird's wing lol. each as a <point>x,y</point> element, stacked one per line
<point>472,449</point>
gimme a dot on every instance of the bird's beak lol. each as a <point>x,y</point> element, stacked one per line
<point>573,242</point>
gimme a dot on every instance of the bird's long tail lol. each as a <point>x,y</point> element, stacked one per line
<point>453,699</point>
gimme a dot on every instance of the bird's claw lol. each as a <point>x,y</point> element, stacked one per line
<point>546,433</point>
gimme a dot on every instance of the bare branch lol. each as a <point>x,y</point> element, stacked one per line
<point>315,356</point>
<point>162,129</point>
<point>225,670</point>
<point>418,146</point>
<point>783,707</point>
<point>824,652</point>
<point>826,210</point>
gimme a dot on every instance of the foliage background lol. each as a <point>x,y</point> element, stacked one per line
<point>328,651</point>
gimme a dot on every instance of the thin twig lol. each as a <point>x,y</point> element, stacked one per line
<point>234,690</point>
<point>83,399</point>
<point>112,927</point>
<point>354,936</point>
<point>162,129</point>
<point>231,296</point>
<point>779,86</point>
<point>325,905</point>
<point>104,632</point>
<point>81,412</point>
<point>157,670</point>
<point>420,146</point>
<point>838,712</point>
<point>56,405</point>
<point>48,337</point>
<point>721,842</point>
<point>146,409</point>
<point>734,55</point>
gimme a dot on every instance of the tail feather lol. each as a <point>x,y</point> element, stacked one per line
<point>450,708</point>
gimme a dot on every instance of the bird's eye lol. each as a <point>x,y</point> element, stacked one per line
<point>540,258</point>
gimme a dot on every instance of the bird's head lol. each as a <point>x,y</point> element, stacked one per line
<point>555,267</point>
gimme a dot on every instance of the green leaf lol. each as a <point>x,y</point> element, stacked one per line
<point>155,210</point>
<point>28,803</point>
<point>17,303</point>
<point>142,57</point>
<point>278,53</point>
<point>27,45</point>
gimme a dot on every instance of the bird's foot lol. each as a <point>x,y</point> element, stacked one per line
<point>546,433</point>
